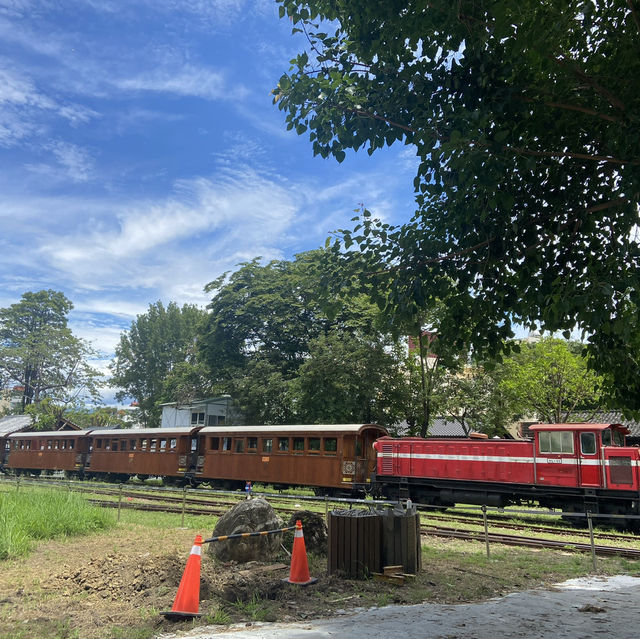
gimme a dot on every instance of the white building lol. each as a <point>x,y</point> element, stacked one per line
<point>201,412</point>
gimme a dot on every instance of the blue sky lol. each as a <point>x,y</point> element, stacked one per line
<point>141,155</point>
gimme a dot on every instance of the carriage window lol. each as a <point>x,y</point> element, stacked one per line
<point>226,443</point>
<point>588,443</point>
<point>132,444</point>
<point>173,443</point>
<point>72,444</point>
<point>153,444</point>
<point>163,445</point>
<point>63,444</point>
<point>114,444</point>
<point>56,444</point>
<point>267,445</point>
<point>214,443</point>
<point>314,444</point>
<point>143,443</point>
<point>239,445</point>
<point>358,448</point>
<point>283,444</point>
<point>123,444</point>
<point>49,444</point>
<point>331,445</point>
<point>252,444</point>
<point>28,444</point>
<point>98,443</point>
<point>298,444</point>
<point>42,445</point>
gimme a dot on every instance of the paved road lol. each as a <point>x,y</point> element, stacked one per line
<point>578,609</point>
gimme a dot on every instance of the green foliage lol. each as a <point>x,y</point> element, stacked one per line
<point>351,379</point>
<point>104,416</point>
<point>550,379</point>
<point>157,342</point>
<point>26,516</point>
<point>39,352</point>
<point>286,356</point>
<point>525,124</point>
<point>476,401</point>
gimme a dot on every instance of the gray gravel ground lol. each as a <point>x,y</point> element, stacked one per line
<point>577,609</point>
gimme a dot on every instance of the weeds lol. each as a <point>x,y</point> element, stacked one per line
<point>256,609</point>
<point>27,516</point>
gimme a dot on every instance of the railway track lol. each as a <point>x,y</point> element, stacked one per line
<point>529,542</point>
<point>205,505</point>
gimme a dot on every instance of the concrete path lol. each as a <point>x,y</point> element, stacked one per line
<point>577,609</point>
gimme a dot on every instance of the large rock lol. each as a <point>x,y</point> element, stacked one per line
<point>252,515</point>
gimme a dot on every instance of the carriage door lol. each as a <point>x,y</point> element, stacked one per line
<point>193,454</point>
<point>589,462</point>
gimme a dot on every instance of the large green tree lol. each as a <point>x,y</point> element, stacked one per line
<point>39,352</point>
<point>157,342</point>
<point>524,118</point>
<point>270,336</point>
<point>352,379</point>
<point>549,380</point>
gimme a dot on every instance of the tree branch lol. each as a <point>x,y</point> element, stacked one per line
<point>634,13</point>
<point>563,61</point>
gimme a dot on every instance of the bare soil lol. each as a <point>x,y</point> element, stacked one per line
<point>114,585</point>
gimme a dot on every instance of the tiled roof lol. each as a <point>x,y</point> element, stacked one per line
<point>14,423</point>
<point>607,417</point>
<point>440,427</point>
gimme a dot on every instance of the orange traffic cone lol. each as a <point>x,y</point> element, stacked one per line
<point>299,573</point>
<point>186,603</point>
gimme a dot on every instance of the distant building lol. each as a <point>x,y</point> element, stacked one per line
<point>213,411</point>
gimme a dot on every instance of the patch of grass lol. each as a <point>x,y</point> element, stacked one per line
<point>256,609</point>
<point>218,617</point>
<point>29,515</point>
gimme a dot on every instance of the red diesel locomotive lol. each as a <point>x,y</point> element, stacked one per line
<point>575,467</point>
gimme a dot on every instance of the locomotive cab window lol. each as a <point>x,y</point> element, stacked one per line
<point>556,442</point>
<point>612,438</point>
<point>588,443</point>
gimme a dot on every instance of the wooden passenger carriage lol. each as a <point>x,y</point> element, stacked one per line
<point>145,452</point>
<point>331,458</point>
<point>48,450</point>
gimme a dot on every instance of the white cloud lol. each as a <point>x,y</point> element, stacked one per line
<point>185,80</point>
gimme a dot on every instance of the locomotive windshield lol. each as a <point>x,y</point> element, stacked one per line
<point>612,438</point>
